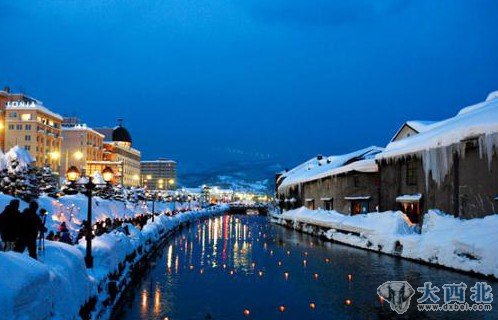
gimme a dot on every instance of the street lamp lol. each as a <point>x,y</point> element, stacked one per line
<point>153,195</point>
<point>72,175</point>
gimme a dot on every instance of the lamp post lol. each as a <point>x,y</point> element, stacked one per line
<point>73,174</point>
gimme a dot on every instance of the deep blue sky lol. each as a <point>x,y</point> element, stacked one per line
<point>204,80</point>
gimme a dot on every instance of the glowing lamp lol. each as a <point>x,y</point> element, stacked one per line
<point>78,155</point>
<point>348,302</point>
<point>315,276</point>
<point>72,174</point>
<point>107,174</point>
<point>281,308</point>
<point>312,305</point>
<point>247,312</point>
<point>350,277</point>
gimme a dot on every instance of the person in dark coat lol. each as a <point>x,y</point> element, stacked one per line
<point>9,222</point>
<point>29,227</point>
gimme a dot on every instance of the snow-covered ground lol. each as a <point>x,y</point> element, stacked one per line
<point>467,245</point>
<point>56,286</point>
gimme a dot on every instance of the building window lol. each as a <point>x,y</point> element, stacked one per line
<point>359,206</point>
<point>26,116</point>
<point>19,127</point>
<point>11,127</point>
<point>27,148</point>
<point>411,172</point>
<point>27,127</point>
<point>13,115</point>
<point>310,204</point>
<point>27,137</point>
<point>329,204</point>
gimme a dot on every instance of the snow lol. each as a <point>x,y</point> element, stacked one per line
<point>33,289</point>
<point>409,198</point>
<point>56,286</point>
<point>361,160</point>
<point>358,198</point>
<point>467,245</point>
<point>420,125</point>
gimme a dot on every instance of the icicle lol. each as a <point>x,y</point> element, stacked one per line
<point>487,144</point>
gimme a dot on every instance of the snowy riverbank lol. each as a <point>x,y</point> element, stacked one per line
<point>57,286</point>
<point>466,245</point>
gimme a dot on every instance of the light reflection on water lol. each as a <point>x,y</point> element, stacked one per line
<point>240,267</point>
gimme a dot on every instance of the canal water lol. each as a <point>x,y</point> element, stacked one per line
<point>241,267</point>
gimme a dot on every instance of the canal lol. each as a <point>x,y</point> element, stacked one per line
<point>223,267</point>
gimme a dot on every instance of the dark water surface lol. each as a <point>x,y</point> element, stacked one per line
<point>220,267</point>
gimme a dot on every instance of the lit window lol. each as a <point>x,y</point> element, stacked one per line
<point>26,116</point>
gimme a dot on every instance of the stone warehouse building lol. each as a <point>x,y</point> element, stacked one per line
<point>347,183</point>
<point>451,166</point>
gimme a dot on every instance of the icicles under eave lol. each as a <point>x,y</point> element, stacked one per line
<point>487,146</point>
<point>437,163</point>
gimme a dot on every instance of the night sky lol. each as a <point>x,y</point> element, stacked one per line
<point>211,81</point>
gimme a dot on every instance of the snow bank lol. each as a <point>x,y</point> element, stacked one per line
<point>31,289</point>
<point>58,285</point>
<point>466,245</point>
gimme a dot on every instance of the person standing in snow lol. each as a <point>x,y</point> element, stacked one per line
<point>30,225</point>
<point>64,234</point>
<point>9,221</point>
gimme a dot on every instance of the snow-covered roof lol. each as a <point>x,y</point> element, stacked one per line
<point>361,160</point>
<point>417,125</point>
<point>81,127</point>
<point>21,105</point>
<point>472,121</point>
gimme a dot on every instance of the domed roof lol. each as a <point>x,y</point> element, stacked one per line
<point>120,134</point>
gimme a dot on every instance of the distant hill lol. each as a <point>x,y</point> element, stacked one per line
<point>248,175</point>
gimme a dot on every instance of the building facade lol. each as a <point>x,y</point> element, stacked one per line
<point>80,145</point>
<point>32,126</point>
<point>159,174</point>
<point>348,183</point>
<point>120,156</point>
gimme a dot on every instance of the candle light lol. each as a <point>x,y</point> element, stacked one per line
<point>281,308</point>
<point>312,305</point>
<point>191,267</point>
<point>350,277</point>
<point>305,262</point>
<point>315,276</point>
<point>260,273</point>
<point>348,302</point>
<point>286,275</point>
<point>327,260</point>
<point>279,263</point>
<point>247,312</point>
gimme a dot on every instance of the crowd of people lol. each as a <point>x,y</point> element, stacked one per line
<point>20,231</point>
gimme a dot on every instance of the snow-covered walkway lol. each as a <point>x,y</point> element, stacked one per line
<point>467,245</point>
<point>57,286</point>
